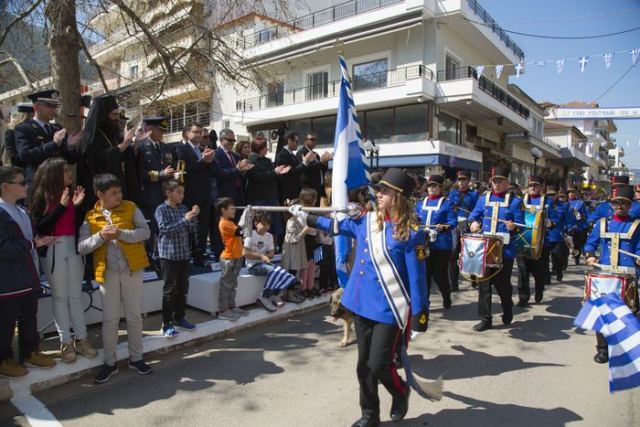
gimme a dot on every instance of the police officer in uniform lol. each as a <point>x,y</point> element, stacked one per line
<point>485,219</point>
<point>533,201</point>
<point>611,234</point>
<point>463,199</point>
<point>38,139</point>
<point>388,240</point>
<point>579,211</point>
<point>157,165</point>
<point>438,217</point>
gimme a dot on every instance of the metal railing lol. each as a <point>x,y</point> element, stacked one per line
<point>330,89</point>
<point>497,29</point>
<point>487,86</point>
<point>316,19</point>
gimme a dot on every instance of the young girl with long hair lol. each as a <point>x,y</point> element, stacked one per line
<point>54,205</point>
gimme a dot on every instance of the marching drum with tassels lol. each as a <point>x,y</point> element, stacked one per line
<point>480,253</point>
<point>599,283</point>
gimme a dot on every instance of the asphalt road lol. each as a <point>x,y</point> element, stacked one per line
<point>536,372</point>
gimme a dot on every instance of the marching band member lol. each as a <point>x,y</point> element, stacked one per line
<point>437,215</point>
<point>534,200</point>
<point>562,221</point>
<point>464,199</point>
<point>579,211</point>
<point>386,287</point>
<point>497,212</point>
<point>636,193</point>
<point>605,210</point>
<point>620,232</point>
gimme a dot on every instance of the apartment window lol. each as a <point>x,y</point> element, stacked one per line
<point>317,85</point>
<point>451,66</point>
<point>275,94</point>
<point>370,75</point>
<point>411,123</point>
<point>133,72</point>
<point>449,129</point>
<point>379,125</point>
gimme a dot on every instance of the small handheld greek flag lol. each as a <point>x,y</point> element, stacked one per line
<point>610,316</point>
<point>279,279</point>
<point>349,164</point>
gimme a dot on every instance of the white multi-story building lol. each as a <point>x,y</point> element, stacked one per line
<point>418,95</point>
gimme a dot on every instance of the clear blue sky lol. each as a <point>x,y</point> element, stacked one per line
<point>578,18</point>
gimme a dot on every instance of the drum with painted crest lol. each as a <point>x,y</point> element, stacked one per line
<point>479,254</point>
<point>599,283</point>
<point>530,240</point>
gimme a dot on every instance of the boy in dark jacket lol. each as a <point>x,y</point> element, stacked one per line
<point>20,276</point>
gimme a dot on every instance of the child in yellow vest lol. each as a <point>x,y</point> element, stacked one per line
<point>115,231</point>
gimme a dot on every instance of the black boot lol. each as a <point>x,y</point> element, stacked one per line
<point>482,326</point>
<point>538,297</point>
<point>601,357</point>
<point>522,303</point>
<point>507,316</point>
<point>367,422</point>
<point>400,406</point>
<point>446,301</point>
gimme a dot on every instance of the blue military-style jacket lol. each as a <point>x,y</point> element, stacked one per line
<point>463,201</point>
<point>363,293</point>
<point>434,211</point>
<point>509,207</point>
<point>562,219</point>
<point>605,210</point>
<point>603,235</point>
<point>578,207</point>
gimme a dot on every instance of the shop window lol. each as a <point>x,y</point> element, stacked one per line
<point>449,129</point>
<point>411,123</point>
<point>379,125</point>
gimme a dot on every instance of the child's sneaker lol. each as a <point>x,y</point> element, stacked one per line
<point>228,315</point>
<point>85,348</point>
<point>241,312</point>
<point>38,358</point>
<point>68,352</point>
<point>140,366</point>
<point>169,331</point>
<point>105,373</point>
<point>266,303</point>
<point>185,325</point>
<point>277,301</point>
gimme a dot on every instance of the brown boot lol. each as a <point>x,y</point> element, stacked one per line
<point>11,368</point>
<point>68,352</point>
<point>38,358</point>
<point>84,348</point>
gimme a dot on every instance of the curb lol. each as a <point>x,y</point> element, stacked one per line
<point>43,379</point>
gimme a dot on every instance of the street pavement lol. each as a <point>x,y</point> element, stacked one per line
<point>536,372</point>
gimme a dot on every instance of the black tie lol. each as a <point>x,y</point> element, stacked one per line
<point>47,128</point>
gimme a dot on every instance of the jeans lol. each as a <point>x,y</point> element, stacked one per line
<point>66,286</point>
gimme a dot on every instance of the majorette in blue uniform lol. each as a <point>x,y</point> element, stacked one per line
<point>463,199</point>
<point>386,288</point>
<point>495,213</point>
<point>580,213</point>
<point>438,217</point>
<point>620,232</point>
<point>534,201</point>
<point>605,210</point>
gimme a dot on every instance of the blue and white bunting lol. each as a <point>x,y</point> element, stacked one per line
<point>560,65</point>
<point>610,316</point>
<point>499,68</point>
<point>583,63</point>
<point>479,70</point>
<point>608,59</point>
<point>635,53</point>
<point>519,68</point>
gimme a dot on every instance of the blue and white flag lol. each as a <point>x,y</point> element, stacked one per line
<point>349,164</point>
<point>279,279</point>
<point>610,316</point>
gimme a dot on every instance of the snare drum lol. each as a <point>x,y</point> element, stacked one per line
<point>530,240</point>
<point>598,283</point>
<point>479,253</point>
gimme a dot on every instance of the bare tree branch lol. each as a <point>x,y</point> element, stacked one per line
<point>18,19</point>
<point>93,62</point>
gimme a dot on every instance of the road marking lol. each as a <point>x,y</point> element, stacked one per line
<point>36,413</point>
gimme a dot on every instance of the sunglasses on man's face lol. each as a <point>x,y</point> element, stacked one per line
<point>230,140</point>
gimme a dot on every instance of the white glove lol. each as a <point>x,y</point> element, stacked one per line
<point>296,210</point>
<point>433,235</point>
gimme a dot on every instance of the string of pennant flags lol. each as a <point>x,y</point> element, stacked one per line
<point>560,63</point>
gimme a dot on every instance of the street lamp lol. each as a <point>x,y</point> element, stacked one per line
<point>537,154</point>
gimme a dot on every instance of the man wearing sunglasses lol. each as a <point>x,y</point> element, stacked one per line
<point>313,176</point>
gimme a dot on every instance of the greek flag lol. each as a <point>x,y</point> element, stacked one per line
<point>610,316</point>
<point>279,279</point>
<point>349,164</point>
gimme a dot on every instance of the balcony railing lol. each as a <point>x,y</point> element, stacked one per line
<point>497,29</point>
<point>330,89</point>
<point>316,19</point>
<point>486,86</point>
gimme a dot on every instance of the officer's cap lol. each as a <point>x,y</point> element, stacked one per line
<point>535,179</point>
<point>435,179</point>
<point>463,174</point>
<point>49,96</point>
<point>499,172</point>
<point>397,180</point>
<point>622,192</point>
<point>157,121</point>
<point>25,107</point>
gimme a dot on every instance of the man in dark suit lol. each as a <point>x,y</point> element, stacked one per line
<point>199,167</point>
<point>231,168</point>
<point>290,183</point>
<point>157,165</point>
<point>313,176</point>
<point>38,140</point>
<point>10,156</point>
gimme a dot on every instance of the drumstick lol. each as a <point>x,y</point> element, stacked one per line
<point>515,223</point>
<point>629,253</point>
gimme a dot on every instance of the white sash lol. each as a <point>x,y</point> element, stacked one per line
<point>390,281</point>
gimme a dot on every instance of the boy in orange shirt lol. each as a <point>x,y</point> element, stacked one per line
<point>230,261</point>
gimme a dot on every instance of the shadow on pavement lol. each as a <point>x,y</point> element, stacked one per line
<point>493,414</point>
<point>469,364</point>
<point>566,306</point>
<point>542,329</point>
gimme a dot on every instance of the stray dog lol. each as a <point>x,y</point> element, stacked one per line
<point>339,312</point>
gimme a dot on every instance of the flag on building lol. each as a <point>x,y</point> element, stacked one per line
<point>349,164</point>
<point>610,316</point>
